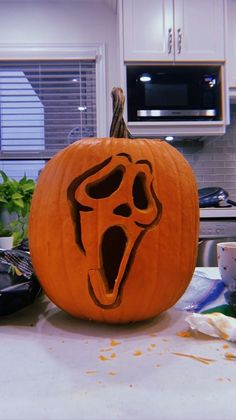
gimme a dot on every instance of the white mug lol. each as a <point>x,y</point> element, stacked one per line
<point>226,257</point>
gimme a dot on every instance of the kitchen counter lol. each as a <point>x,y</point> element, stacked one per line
<point>55,367</point>
<point>217,212</point>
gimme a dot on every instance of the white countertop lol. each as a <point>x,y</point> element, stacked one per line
<point>220,212</point>
<point>55,367</point>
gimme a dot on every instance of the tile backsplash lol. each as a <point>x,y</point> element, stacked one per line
<point>214,159</point>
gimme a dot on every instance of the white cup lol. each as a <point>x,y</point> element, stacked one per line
<point>226,257</point>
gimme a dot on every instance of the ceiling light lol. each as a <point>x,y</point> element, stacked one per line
<point>169,138</point>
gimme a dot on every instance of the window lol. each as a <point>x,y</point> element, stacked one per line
<point>39,86</point>
<point>45,105</point>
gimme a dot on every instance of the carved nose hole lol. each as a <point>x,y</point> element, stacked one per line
<point>107,185</point>
<point>123,210</point>
<point>113,248</point>
<point>139,192</point>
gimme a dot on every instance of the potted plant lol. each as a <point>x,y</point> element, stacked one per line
<point>6,236</point>
<point>15,199</point>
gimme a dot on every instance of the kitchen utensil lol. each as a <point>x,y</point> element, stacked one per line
<point>214,197</point>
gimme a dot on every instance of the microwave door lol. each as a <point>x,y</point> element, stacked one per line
<point>173,93</point>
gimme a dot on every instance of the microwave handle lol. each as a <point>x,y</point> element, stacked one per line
<point>170,40</point>
<point>179,40</point>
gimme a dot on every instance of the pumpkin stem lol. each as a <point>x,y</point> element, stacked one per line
<point>118,127</point>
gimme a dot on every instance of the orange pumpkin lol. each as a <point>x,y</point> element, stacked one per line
<point>114,227</point>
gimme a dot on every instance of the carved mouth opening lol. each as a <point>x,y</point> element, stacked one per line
<point>112,249</point>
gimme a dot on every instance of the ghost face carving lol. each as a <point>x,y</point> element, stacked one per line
<point>116,200</point>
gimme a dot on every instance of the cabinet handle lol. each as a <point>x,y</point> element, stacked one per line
<point>170,40</point>
<point>179,40</point>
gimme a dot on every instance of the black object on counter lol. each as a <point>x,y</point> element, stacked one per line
<point>18,284</point>
<point>214,197</point>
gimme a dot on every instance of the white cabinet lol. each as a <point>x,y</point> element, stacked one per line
<point>231,44</point>
<point>173,30</point>
<point>148,29</point>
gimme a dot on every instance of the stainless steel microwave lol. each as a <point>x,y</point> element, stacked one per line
<point>174,92</point>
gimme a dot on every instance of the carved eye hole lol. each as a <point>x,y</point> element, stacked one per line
<point>107,185</point>
<point>139,192</point>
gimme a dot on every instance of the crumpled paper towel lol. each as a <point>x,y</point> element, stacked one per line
<point>214,324</point>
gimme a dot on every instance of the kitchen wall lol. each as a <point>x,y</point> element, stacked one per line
<point>214,159</point>
<point>62,22</point>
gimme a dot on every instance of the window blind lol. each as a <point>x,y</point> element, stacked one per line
<point>45,105</point>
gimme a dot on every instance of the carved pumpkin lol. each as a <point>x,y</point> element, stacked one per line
<point>113,228</point>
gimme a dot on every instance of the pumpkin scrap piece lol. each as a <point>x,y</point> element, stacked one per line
<point>103,358</point>
<point>225,346</point>
<point>113,355</point>
<point>198,358</point>
<point>137,353</point>
<point>230,356</point>
<point>183,334</point>
<point>114,343</point>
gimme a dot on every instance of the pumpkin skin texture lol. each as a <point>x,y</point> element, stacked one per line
<point>113,229</point>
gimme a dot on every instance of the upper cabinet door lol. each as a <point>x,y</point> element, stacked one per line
<point>168,30</point>
<point>148,30</point>
<point>199,30</point>
<point>231,44</point>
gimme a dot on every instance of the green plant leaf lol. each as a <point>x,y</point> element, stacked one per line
<point>15,183</point>
<point>16,196</point>
<point>17,238</point>
<point>28,188</point>
<point>4,176</point>
<point>19,203</point>
<point>23,179</point>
